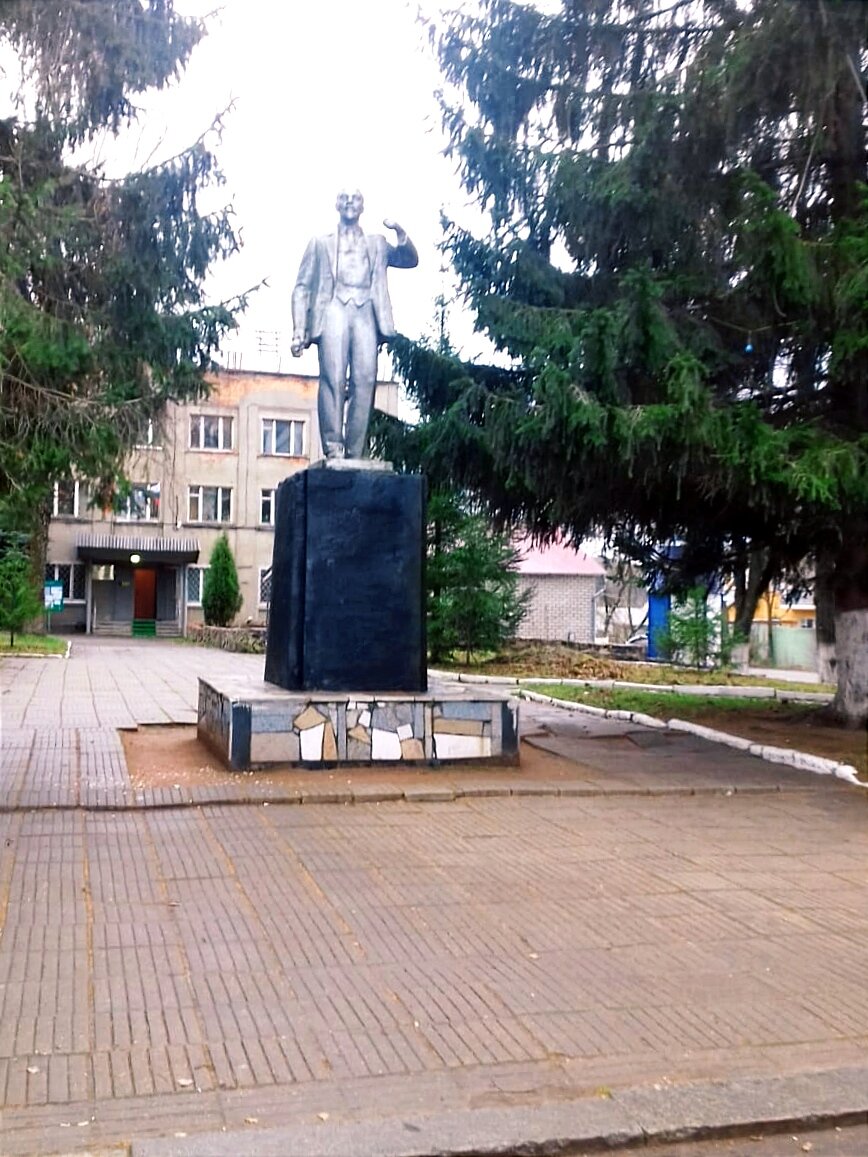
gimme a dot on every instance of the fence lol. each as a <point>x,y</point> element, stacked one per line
<point>792,647</point>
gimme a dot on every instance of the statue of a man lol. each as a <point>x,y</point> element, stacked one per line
<point>341,303</point>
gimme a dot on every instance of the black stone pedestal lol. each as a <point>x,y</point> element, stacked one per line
<point>347,602</point>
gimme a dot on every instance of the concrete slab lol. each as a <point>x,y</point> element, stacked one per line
<point>625,1118</point>
<point>468,1133</point>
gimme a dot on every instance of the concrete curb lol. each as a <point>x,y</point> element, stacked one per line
<point>432,794</point>
<point>37,654</point>
<point>721,690</point>
<point>629,1117</point>
<point>803,760</point>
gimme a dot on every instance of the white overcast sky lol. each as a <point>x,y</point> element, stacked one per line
<point>327,94</point>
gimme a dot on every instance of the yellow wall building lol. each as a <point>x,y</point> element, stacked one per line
<point>800,613</point>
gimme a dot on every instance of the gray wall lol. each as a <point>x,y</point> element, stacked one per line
<point>792,647</point>
<point>561,608</point>
<point>167,580</point>
<point>113,600</point>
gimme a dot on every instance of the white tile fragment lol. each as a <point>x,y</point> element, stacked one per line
<point>311,742</point>
<point>385,744</point>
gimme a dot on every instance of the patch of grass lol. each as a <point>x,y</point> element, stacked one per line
<point>660,704</point>
<point>33,645</point>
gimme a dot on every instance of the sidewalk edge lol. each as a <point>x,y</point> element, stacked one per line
<point>629,1118</point>
<point>803,760</point>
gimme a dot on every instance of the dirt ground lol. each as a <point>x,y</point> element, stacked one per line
<point>560,661</point>
<point>170,756</point>
<point>166,756</point>
<point>798,730</point>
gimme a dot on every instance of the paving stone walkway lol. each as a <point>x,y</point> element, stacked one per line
<point>662,911</point>
<point>60,725</point>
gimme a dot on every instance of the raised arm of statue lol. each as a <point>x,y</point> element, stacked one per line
<point>402,255</point>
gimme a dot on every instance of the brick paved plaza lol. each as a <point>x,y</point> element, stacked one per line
<point>227,964</point>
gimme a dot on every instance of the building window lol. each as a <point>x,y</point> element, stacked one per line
<point>264,586</point>
<point>282,436</point>
<point>69,498</point>
<point>142,504</point>
<point>267,508</point>
<point>148,437</point>
<point>807,624</point>
<point>210,432</point>
<point>71,574</point>
<point>195,583</point>
<point>209,504</point>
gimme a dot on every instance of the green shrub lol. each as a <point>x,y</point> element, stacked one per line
<point>19,598</point>
<point>690,635</point>
<point>221,594</point>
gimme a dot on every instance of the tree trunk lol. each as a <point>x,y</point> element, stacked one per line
<point>740,658</point>
<point>824,606</point>
<point>37,548</point>
<point>750,589</point>
<point>851,700</point>
<point>848,387</point>
<point>850,585</point>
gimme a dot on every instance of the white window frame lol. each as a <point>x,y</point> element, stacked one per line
<point>202,571</point>
<point>150,443</point>
<point>77,499</point>
<point>150,493</point>
<point>267,495</point>
<point>263,603</point>
<point>225,426</point>
<point>268,437</point>
<point>197,494</point>
<point>52,574</point>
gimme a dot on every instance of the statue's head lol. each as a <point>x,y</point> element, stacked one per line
<point>350,205</point>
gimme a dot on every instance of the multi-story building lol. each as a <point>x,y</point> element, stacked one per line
<point>210,467</point>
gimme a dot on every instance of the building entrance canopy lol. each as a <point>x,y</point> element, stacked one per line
<point>119,548</point>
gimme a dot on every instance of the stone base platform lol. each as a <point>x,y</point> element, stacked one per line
<point>255,725</point>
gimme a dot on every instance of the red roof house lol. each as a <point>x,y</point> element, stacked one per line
<point>565,584</point>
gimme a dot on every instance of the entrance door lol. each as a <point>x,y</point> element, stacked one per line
<point>144,593</point>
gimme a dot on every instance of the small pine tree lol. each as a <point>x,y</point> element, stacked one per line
<point>221,594</point>
<point>691,636</point>
<point>472,585</point>
<point>19,600</point>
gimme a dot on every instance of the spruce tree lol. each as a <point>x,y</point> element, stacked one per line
<point>221,593</point>
<point>102,312</point>
<point>473,600</point>
<point>673,275</point>
<point>19,600</point>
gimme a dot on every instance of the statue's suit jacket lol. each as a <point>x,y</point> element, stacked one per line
<point>315,284</point>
